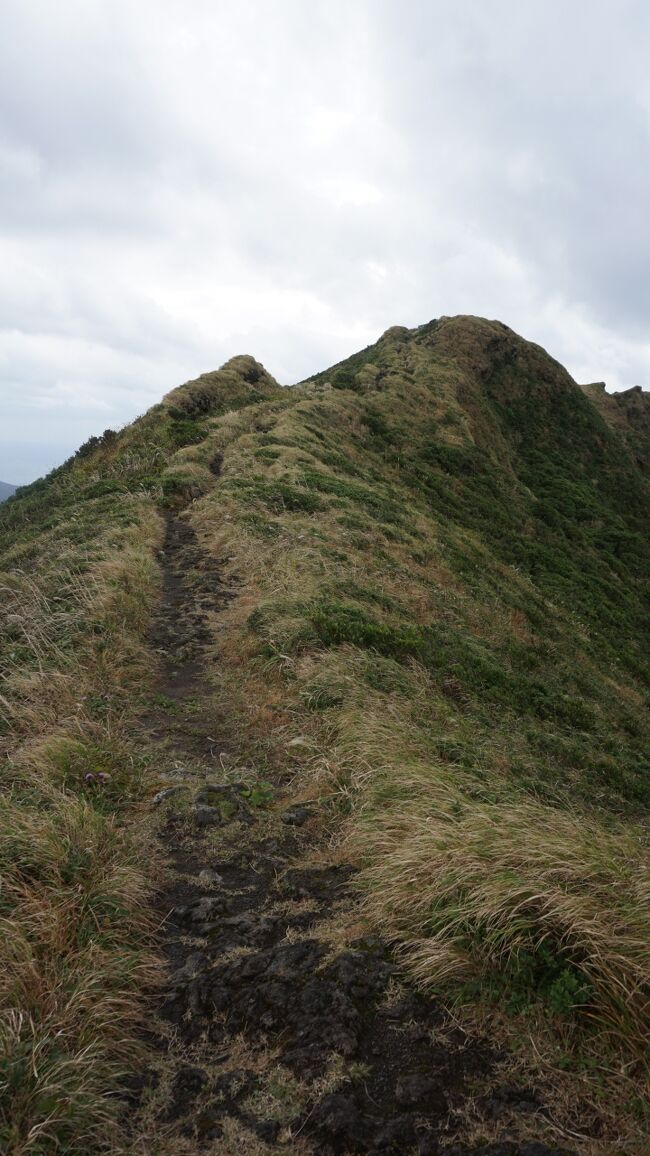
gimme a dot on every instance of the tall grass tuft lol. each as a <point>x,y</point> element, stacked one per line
<point>74,916</point>
<point>531,901</point>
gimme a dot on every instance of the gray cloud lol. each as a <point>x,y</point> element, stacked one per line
<point>180,182</point>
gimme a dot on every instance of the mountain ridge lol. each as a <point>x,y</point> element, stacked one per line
<point>401,606</point>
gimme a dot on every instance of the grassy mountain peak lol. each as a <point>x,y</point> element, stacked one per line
<point>437,558</point>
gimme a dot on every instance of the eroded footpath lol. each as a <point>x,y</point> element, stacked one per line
<point>275,1031</point>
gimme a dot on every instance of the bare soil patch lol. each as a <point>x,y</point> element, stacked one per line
<point>268,1036</point>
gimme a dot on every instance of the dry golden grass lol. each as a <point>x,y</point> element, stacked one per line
<point>488,883</point>
<point>471,886</point>
<point>73,908</point>
<point>471,876</point>
<point>480,857</point>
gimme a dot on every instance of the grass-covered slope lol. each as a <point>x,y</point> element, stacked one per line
<point>446,553</point>
<point>78,585</point>
<point>440,549</point>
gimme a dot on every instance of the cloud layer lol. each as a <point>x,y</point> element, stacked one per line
<point>183,181</point>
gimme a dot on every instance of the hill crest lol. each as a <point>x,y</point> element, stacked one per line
<point>395,619</point>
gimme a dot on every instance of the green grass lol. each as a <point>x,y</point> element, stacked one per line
<point>443,565</point>
<point>79,583</point>
<point>75,948</point>
<point>475,609</point>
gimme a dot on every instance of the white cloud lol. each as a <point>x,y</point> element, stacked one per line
<point>182,181</point>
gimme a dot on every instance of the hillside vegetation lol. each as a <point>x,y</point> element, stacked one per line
<point>441,554</point>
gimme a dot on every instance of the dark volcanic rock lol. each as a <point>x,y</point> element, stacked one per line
<point>207,816</point>
<point>326,884</point>
<point>296,816</point>
<point>186,1086</point>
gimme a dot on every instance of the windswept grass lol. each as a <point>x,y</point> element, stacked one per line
<point>499,897</point>
<point>74,921</point>
<point>440,548</point>
<point>455,631</point>
<point>78,584</point>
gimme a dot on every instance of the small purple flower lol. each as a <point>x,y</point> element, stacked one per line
<point>90,778</point>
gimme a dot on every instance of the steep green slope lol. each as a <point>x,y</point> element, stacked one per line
<point>441,555</point>
<point>523,461</point>
<point>461,447</point>
<point>446,557</point>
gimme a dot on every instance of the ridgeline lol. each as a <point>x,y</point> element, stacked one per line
<point>326,765</point>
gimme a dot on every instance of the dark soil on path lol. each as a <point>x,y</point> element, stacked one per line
<point>273,1034</point>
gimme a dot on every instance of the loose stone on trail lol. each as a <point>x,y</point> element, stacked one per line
<point>167,793</point>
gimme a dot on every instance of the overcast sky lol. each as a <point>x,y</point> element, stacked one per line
<point>184,180</point>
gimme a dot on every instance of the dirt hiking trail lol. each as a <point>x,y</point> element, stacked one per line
<point>275,1032</point>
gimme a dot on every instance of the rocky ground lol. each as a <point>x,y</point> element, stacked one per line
<point>283,1027</point>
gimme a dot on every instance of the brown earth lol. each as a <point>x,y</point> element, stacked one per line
<point>285,1025</point>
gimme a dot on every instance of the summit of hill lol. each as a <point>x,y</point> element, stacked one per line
<point>397,617</point>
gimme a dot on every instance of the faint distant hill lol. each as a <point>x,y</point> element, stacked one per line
<point>6,491</point>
